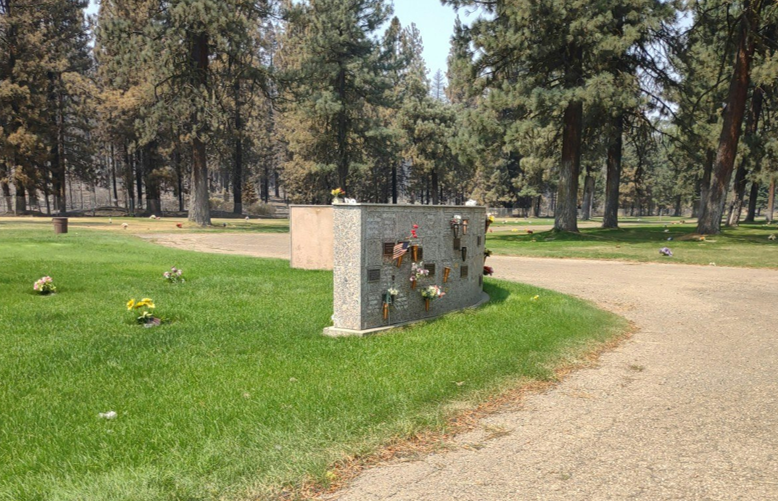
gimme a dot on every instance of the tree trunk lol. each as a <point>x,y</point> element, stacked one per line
<point>710,221</point>
<point>153,202</point>
<point>588,197</point>
<point>179,178</point>
<point>394,182</point>
<point>678,204</point>
<point>4,171</point>
<point>752,123</point>
<point>21,198</point>
<point>139,177</point>
<point>752,197</point>
<point>566,213</point>
<point>342,133</point>
<point>434,187</point>
<point>707,172</point>
<point>199,210</point>
<point>237,171</point>
<point>129,170</point>
<point>770,201</point>
<point>113,178</point>
<point>610,218</point>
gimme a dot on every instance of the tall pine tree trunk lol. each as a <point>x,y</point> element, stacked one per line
<point>707,172</point>
<point>113,178</point>
<point>434,187</point>
<point>736,207</point>
<point>588,198</point>
<point>153,202</point>
<point>199,211</point>
<point>770,201</point>
<point>751,215</point>
<point>342,132</point>
<point>566,213</point>
<point>394,182</point>
<point>710,221</point>
<point>139,177</point>
<point>4,171</point>
<point>237,168</point>
<point>128,178</point>
<point>179,178</point>
<point>610,218</point>
<point>21,198</point>
<point>678,205</point>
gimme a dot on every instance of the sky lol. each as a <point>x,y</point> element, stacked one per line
<point>435,22</point>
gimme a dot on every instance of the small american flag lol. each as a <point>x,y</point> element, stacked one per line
<point>400,249</point>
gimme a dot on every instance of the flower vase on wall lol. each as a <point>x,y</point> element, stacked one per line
<point>464,226</point>
<point>413,284</point>
<point>446,272</point>
<point>415,252</point>
<point>399,261</point>
<point>426,304</point>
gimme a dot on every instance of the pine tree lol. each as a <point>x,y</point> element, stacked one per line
<point>544,62</point>
<point>438,89</point>
<point>732,116</point>
<point>339,77</point>
<point>43,94</point>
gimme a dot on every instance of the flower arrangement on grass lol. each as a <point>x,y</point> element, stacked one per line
<point>44,285</point>
<point>666,252</point>
<point>487,253</point>
<point>174,276</point>
<point>144,307</point>
<point>488,270</point>
<point>771,237</point>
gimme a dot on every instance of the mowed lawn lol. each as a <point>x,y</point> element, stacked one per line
<point>747,245</point>
<point>148,225</point>
<point>237,394</point>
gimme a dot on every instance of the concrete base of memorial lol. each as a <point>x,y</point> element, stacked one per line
<point>336,332</point>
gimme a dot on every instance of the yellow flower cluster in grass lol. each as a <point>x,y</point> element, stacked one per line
<point>147,302</point>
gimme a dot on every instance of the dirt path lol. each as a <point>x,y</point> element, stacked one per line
<point>686,409</point>
<point>252,244</point>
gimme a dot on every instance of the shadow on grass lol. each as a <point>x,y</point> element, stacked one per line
<point>497,294</point>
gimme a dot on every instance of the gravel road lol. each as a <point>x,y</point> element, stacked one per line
<point>685,409</point>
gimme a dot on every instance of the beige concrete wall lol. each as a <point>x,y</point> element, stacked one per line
<point>311,231</point>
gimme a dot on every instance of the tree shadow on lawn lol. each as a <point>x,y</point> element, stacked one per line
<point>756,234</point>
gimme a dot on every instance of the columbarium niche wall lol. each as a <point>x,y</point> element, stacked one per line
<point>364,270</point>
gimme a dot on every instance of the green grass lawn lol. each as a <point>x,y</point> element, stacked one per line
<point>747,245</point>
<point>237,393</point>
<point>147,225</point>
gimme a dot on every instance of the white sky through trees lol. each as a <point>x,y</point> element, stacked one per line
<point>435,22</point>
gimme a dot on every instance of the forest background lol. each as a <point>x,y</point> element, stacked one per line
<point>568,108</point>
